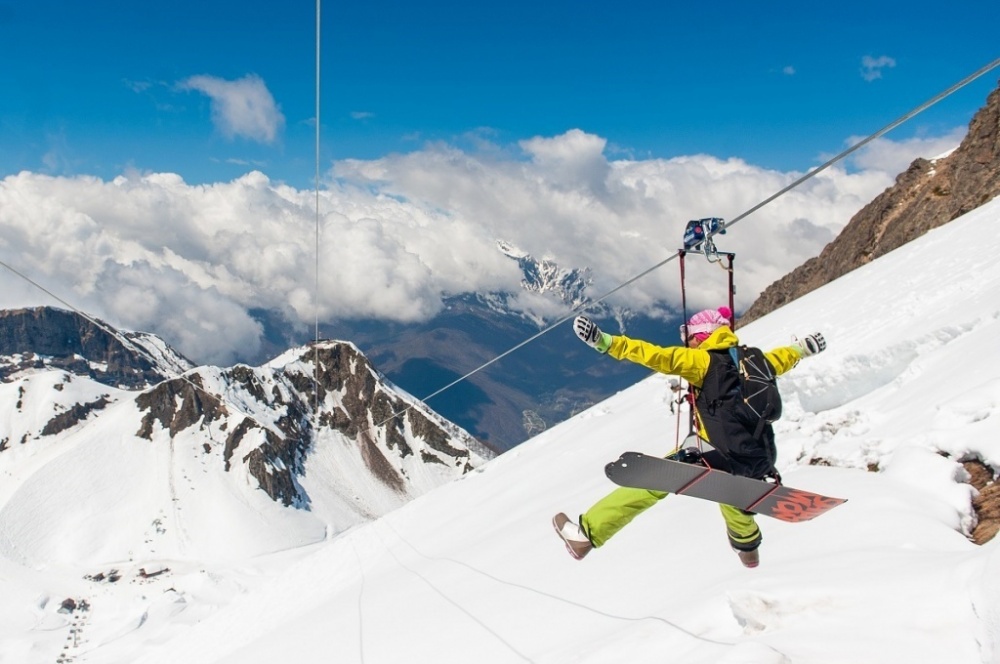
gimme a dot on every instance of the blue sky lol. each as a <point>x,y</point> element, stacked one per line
<point>100,87</point>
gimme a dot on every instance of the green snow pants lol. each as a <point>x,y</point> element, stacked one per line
<point>616,510</point>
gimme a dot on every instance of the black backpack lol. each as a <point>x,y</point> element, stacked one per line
<point>758,386</point>
<point>736,404</point>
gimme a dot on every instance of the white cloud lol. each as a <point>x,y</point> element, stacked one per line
<point>788,71</point>
<point>400,233</point>
<point>896,156</point>
<point>871,67</point>
<point>241,108</point>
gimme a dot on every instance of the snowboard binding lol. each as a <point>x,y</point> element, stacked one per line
<point>690,455</point>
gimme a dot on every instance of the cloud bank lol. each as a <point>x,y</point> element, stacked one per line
<point>399,234</point>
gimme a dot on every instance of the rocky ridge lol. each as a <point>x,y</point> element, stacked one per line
<point>268,415</point>
<point>47,338</point>
<point>927,195</point>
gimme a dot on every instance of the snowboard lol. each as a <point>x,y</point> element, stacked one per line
<point>642,471</point>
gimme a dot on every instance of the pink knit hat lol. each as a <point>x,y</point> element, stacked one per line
<point>703,323</point>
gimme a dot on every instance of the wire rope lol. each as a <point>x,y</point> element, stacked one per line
<point>543,593</point>
<point>479,620</point>
<point>857,146</point>
<point>361,596</point>
<point>770,199</point>
<point>316,238</point>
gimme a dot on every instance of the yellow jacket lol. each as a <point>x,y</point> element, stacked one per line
<point>691,364</point>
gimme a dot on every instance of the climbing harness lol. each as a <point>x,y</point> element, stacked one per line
<point>698,238</point>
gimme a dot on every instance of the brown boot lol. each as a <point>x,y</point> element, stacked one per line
<point>577,542</point>
<point>749,558</point>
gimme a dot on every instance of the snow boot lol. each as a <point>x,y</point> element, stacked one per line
<point>577,542</point>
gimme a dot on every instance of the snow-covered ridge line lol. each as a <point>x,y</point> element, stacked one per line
<point>366,450</point>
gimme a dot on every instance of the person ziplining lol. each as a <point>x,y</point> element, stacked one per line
<point>734,399</point>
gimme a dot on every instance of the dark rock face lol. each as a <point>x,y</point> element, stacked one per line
<point>161,405</point>
<point>45,337</point>
<point>987,503</point>
<point>368,410</point>
<point>925,196</point>
<point>70,418</point>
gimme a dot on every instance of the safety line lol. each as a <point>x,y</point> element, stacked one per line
<point>114,333</point>
<point>448,599</point>
<point>361,595</point>
<point>70,306</point>
<point>548,595</point>
<point>583,307</point>
<point>316,239</point>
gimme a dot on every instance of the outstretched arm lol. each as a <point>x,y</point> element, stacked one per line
<point>688,363</point>
<point>684,362</point>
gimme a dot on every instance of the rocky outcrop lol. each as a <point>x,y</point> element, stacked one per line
<point>368,409</point>
<point>927,195</point>
<point>70,418</point>
<point>986,503</point>
<point>45,337</point>
<point>176,405</point>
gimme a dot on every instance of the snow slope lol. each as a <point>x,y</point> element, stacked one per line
<point>472,571</point>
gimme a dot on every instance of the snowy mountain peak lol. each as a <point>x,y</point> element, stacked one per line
<point>273,424</point>
<point>511,251</point>
<point>545,276</point>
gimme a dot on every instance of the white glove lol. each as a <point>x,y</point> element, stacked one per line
<point>810,344</point>
<point>587,330</point>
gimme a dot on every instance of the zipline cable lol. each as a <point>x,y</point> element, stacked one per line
<point>573,312</point>
<point>541,593</point>
<point>811,174</point>
<point>316,266</point>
